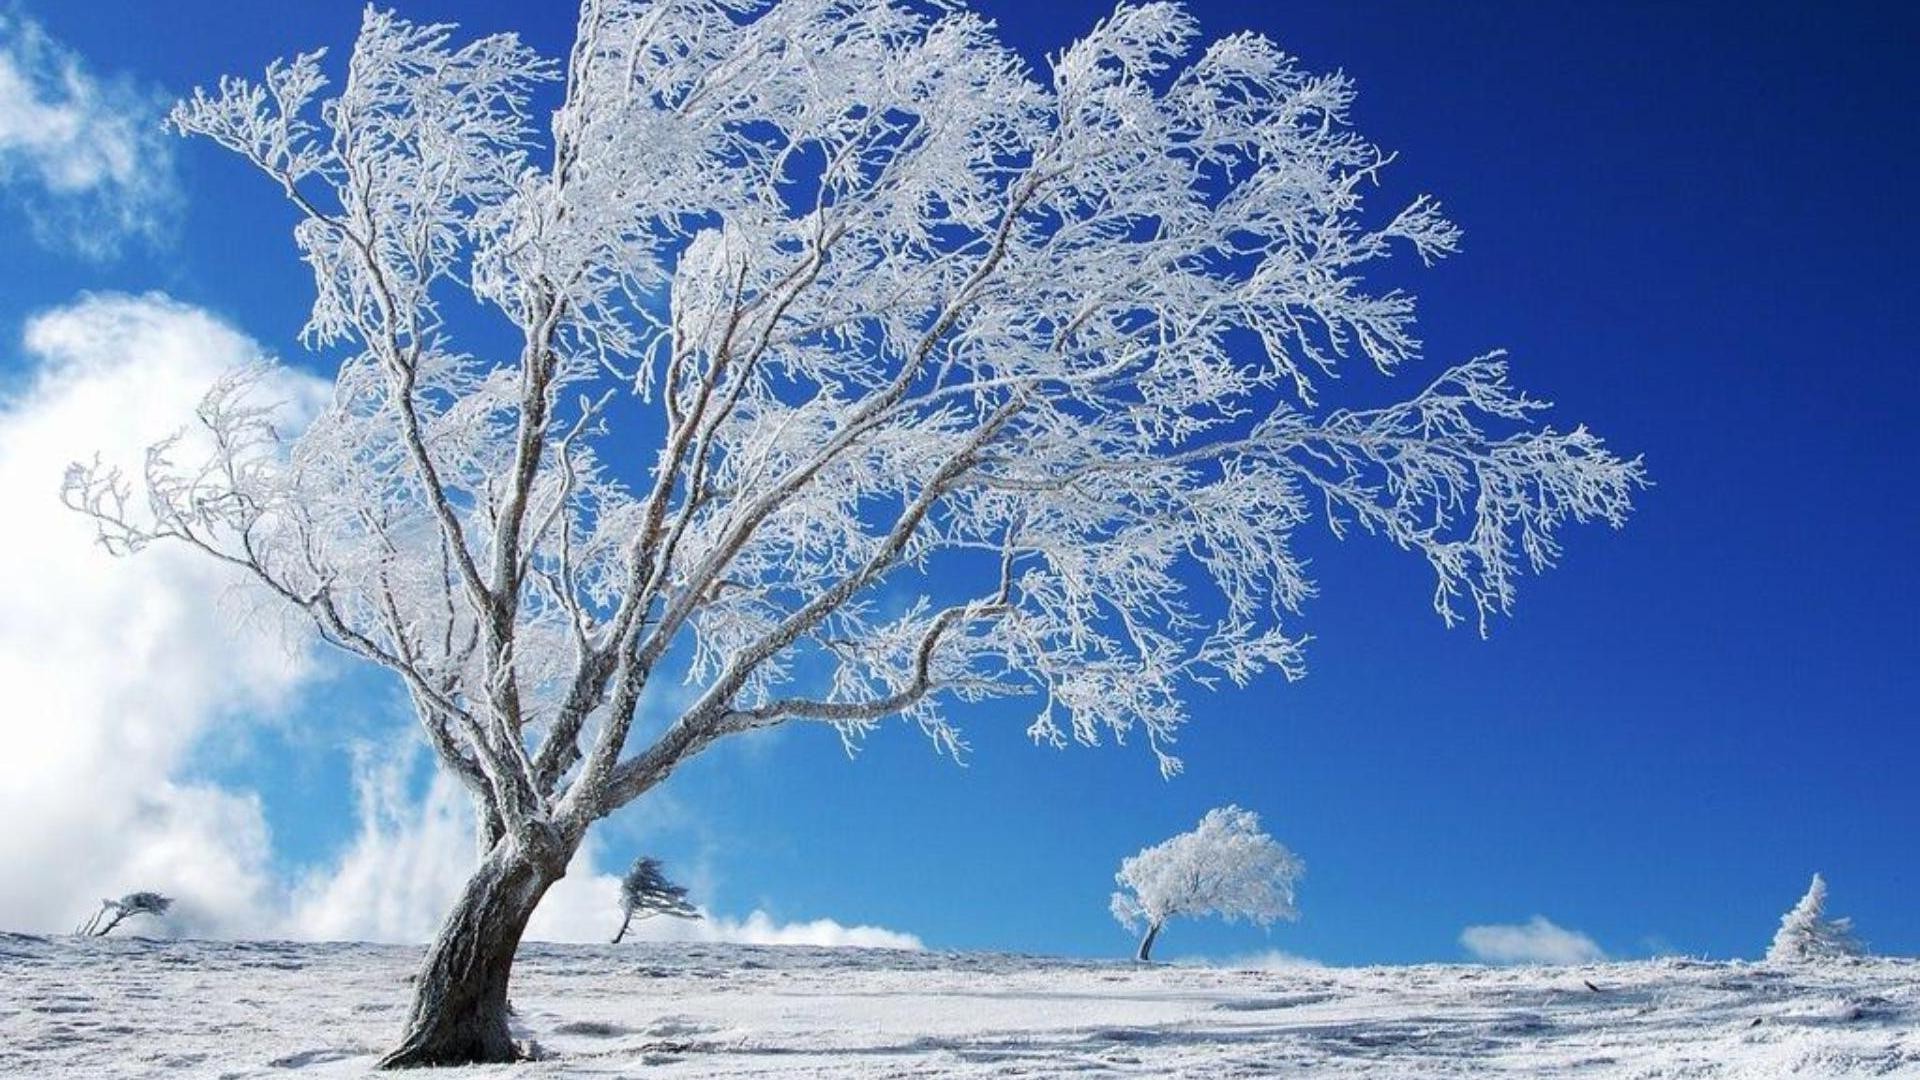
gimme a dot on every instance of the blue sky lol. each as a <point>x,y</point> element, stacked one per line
<point>1690,224</point>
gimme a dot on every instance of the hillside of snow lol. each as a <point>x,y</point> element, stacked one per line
<point>137,1008</point>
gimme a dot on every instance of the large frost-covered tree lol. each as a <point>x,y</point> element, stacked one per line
<point>1806,935</point>
<point>822,356</point>
<point>1226,867</point>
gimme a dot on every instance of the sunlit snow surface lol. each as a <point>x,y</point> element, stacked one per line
<point>132,1007</point>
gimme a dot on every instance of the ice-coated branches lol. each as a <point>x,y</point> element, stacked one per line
<point>1225,867</point>
<point>113,912</point>
<point>646,892</point>
<point>856,370</point>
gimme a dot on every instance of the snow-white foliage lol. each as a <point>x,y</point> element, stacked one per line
<point>858,370</point>
<point>1806,935</point>
<point>1226,867</point>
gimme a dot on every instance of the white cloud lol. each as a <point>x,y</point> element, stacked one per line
<point>116,669</point>
<point>1536,941</point>
<point>411,856</point>
<point>760,928</point>
<point>405,865</point>
<point>119,670</point>
<point>85,158</point>
<point>1265,960</point>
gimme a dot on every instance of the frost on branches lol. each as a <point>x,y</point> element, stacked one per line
<point>113,912</point>
<point>858,369</point>
<point>1806,935</point>
<point>646,892</point>
<point>1226,867</point>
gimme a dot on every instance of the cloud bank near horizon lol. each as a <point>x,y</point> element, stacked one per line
<point>1536,941</point>
<point>413,853</point>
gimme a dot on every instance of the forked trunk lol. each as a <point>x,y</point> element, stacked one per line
<point>459,1014</point>
<point>1146,943</point>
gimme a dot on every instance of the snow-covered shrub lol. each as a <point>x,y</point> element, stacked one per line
<point>646,892</point>
<point>1807,935</point>
<point>113,912</point>
<point>1225,867</point>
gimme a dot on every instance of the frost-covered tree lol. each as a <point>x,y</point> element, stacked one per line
<point>1806,935</point>
<point>1226,867</point>
<point>113,912</point>
<point>827,358</point>
<point>646,892</point>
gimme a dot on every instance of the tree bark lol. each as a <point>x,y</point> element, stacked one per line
<point>1146,943</point>
<point>459,1014</point>
<point>624,923</point>
<point>488,829</point>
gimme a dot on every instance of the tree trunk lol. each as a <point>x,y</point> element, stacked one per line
<point>624,923</point>
<point>1146,943</point>
<point>459,1014</point>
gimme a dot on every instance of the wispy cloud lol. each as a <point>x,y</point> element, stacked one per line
<point>82,158</point>
<point>1536,941</point>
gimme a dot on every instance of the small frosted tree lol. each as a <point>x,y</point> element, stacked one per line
<point>1226,867</point>
<point>646,892</point>
<point>113,912</point>
<point>1806,935</point>
<point>829,359</point>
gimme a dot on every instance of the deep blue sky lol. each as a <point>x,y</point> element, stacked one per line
<point>1691,224</point>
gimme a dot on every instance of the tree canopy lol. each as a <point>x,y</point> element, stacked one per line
<point>832,360</point>
<point>1226,867</point>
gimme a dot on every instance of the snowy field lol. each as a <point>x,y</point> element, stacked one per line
<point>132,1007</point>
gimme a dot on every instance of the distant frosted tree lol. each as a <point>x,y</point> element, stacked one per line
<point>113,912</point>
<point>1807,935</point>
<point>646,892</point>
<point>834,360</point>
<point>1226,867</point>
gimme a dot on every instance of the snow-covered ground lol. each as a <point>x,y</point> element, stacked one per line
<point>132,1007</point>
